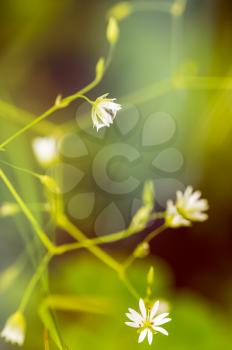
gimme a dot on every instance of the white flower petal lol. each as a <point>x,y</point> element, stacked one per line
<point>142,335</point>
<point>142,308</point>
<point>132,324</point>
<point>154,309</point>
<point>161,316</point>
<point>136,315</point>
<point>160,330</point>
<point>163,321</point>
<point>149,336</point>
<point>133,318</point>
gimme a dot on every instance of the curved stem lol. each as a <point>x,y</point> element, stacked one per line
<point>129,261</point>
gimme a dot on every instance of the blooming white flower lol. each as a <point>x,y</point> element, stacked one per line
<point>188,207</point>
<point>147,322</point>
<point>104,111</point>
<point>173,218</point>
<point>14,330</point>
<point>45,149</point>
<point>191,206</point>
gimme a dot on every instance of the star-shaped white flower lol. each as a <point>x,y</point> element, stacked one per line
<point>14,330</point>
<point>45,149</point>
<point>147,322</point>
<point>191,206</point>
<point>188,207</point>
<point>104,111</point>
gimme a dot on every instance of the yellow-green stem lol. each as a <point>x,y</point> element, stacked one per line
<point>67,225</point>
<point>36,277</point>
<point>41,234</point>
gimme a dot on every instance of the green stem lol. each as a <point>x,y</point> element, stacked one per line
<point>41,234</point>
<point>129,261</point>
<point>130,287</point>
<point>63,103</point>
<point>36,277</point>
<point>65,224</point>
<point>154,233</point>
<point>27,171</point>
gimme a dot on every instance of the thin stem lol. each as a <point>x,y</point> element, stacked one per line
<point>46,340</point>
<point>36,277</point>
<point>87,243</point>
<point>63,103</point>
<point>154,233</point>
<point>130,287</point>
<point>27,171</point>
<point>41,234</point>
<point>64,223</point>
<point>129,261</point>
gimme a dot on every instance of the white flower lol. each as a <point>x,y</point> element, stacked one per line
<point>173,218</point>
<point>45,149</point>
<point>147,322</point>
<point>191,206</point>
<point>104,111</point>
<point>14,330</point>
<point>188,207</point>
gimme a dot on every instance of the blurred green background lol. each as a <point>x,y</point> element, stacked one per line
<point>51,47</point>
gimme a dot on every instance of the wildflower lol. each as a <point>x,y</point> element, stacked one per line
<point>14,330</point>
<point>188,207</point>
<point>45,149</point>
<point>104,111</point>
<point>173,218</point>
<point>191,206</point>
<point>147,322</point>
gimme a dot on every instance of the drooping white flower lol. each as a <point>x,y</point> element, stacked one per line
<point>173,218</point>
<point>191,206</point>
<point>14,329</point>
<point>45,149</point>
<point>147,321</point>
<point>104,111</point>
<point>188,207</point>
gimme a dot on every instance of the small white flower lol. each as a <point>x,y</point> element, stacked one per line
<point>188,207</point>
<point>45,149</point>
<point>191,206</point>
<point>14,330</point>
<point>147,322</point>
<point>104,111</point>
<point>173,218</point>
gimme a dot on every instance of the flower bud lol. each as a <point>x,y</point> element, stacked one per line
<point>141,218</point>
<point>142,250</point>
<point>112,32</point>
<point>150,276</point>
<point>178,7</point>
<point>148,194</point>
<point>121,10</point>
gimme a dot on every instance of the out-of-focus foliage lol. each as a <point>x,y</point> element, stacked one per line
<point>195,323</point>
